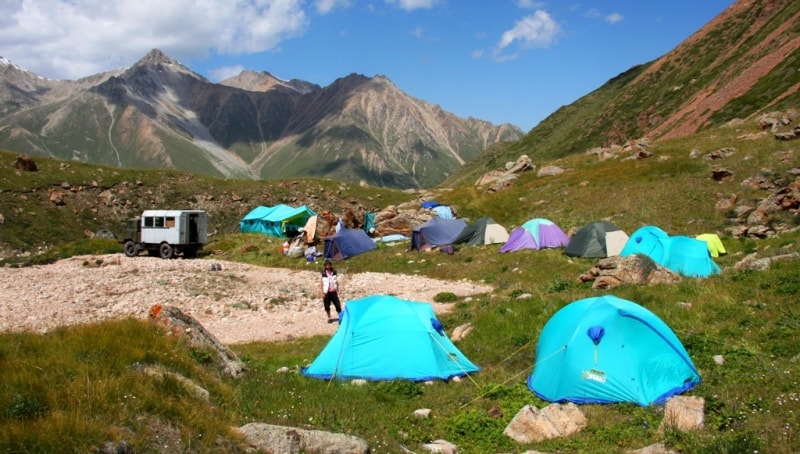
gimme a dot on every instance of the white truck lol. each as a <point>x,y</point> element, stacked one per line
<point>165,233</point>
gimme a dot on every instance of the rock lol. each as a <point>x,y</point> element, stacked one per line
<point>635,269</point>
<point>556,420</point>
<point>719,359</point>
<point>683,413</point>
<point>422,413</point>
<point>25,163</point>
<point>290,440</point>
<point>196,390</point>
<point>657,448</point>
<point>440,446</point>
<point>177,323</point>
<point>721,174</point>
<point>460,332</point>
<point>548,171</point>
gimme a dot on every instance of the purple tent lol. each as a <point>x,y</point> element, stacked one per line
<point>518,240</point>
<point>536,234</point>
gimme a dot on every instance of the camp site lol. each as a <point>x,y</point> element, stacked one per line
<point>636,323</point>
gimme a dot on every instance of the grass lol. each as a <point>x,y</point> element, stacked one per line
<point>73,389</point>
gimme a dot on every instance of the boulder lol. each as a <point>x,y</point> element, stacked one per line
<point>291,440</point>
<point>175,322</point>
<point>683,413</point>
<point>635,269</point>
<point>25,163</point>
<point>556,420</point>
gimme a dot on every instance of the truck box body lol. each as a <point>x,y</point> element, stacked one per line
<point>174,227</point>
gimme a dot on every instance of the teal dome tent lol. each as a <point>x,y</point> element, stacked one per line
<point>609,350</point>
<point>386,338</point>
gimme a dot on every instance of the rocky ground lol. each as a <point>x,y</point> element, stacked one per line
<point>239,303</point>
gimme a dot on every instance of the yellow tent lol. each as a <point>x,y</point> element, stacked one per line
<point>715,246</point>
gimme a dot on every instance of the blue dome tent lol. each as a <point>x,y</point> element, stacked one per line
<point>436,232</point>
<point>346,243</point>
<point>681,254</point>
<point>648,240</point>
<point>386,338</point>
<point>609,350</point>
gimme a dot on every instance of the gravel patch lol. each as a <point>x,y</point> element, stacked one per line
<point>239,303</point>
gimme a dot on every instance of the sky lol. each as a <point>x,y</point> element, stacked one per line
<point>504,61</point>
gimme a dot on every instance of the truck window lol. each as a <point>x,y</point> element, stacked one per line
<point>148,221</point>
<point>170,222</point>
<point>159,223</point>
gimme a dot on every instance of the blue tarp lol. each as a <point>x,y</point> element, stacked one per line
<point>386,338</point>
<point>280,220</point>
<point>607,350</point>
<point>346,243</point>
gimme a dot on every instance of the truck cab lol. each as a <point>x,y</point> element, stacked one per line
<point>165,233</point>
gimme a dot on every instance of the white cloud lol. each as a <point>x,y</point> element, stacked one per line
<point>613,18</point>
<point>417,32</point>
<point>225,72</point>
<point>538,30</point>
<point>477,53</point>
<point>326,6</point>
<point>411,5</point>
<point>529,4</point>
<point>68,39</point>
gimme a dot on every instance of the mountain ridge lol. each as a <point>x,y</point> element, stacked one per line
<point>158,113</point>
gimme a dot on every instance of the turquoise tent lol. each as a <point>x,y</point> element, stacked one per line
<point>386,338</point>
<point>690,257</point>
<point>280,220</point>
<point>608,350</point>
<point>648,240</point>
<point>681,254</point>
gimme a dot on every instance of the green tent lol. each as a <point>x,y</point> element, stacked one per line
<point>280,220</point>
<point>596,240</point>
<point>483,231</point>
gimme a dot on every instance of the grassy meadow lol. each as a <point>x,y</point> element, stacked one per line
<point>75,388</point>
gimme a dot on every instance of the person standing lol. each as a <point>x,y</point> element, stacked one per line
<point>330,290</point>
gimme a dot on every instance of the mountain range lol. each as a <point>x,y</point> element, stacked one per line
<point>159,114</point>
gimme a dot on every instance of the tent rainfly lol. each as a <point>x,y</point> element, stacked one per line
<point>537,233</point>
<point>483,231</point>
<point>347,243</point>
<point>382,337</point>
<point>608,350</point>
<point>280,220</point>
<point>597,239</point>
<point>435,232</point>
<point>683,255</point>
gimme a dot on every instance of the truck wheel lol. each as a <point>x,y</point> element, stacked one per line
<point>131,248</point>
<point>166,251</point>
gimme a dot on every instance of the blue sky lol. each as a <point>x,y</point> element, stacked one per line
<point>505,61</point>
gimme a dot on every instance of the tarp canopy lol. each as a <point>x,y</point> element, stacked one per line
<point>607,350</point>
<point>280,220</point>
<point>596,240</point>
<point>483,231</point>
<point>537,233</point>
<point>436,232</point>
<point>347,243</point>
<point>386,338</point>
<point>715,247</point>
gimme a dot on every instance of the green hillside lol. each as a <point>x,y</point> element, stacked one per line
<point>749,317</point>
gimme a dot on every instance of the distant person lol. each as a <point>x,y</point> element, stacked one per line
<point>330,291</point>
